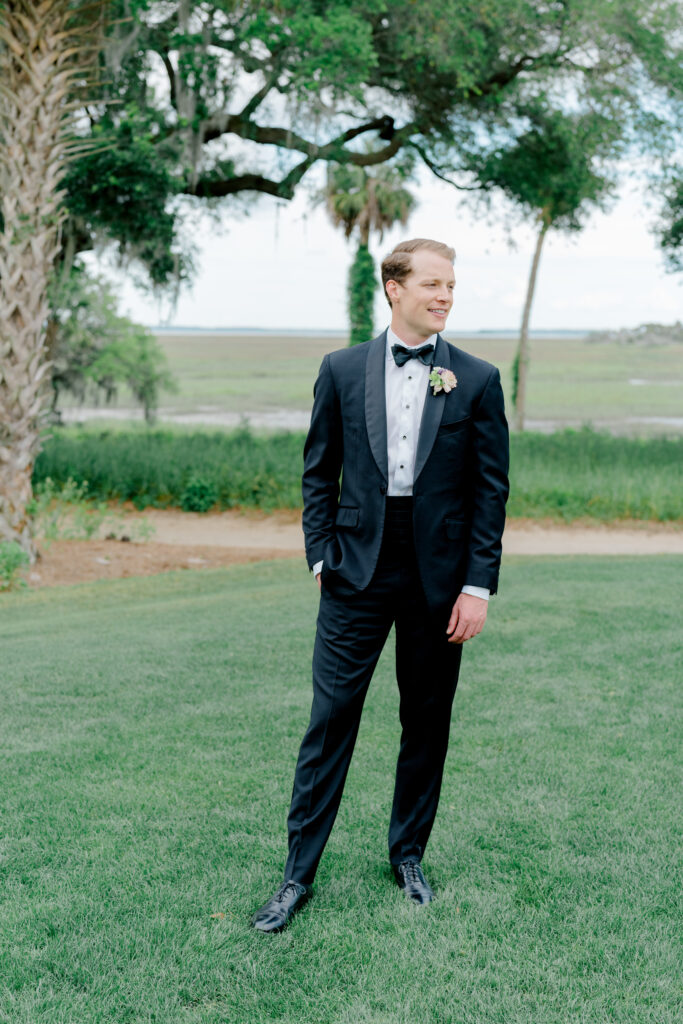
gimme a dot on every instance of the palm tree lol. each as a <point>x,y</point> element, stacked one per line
<point>40,43</point>
<point>360,202</point>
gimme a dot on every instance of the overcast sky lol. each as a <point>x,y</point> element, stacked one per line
<point>284,266</point>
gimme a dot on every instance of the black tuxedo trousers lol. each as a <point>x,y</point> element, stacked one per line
<point>352,629</point>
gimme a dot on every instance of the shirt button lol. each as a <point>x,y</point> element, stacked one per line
<point>407,407</point>
<point>404,437</point>
<point>401,466</point>
<point>409,377</point>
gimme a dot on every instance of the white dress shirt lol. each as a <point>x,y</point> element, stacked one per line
<point>405,389</point>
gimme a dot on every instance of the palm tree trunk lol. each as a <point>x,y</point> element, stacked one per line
<point>521,360</point>
<point>35,72</point>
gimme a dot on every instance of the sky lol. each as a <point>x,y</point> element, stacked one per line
<point>284,267</point>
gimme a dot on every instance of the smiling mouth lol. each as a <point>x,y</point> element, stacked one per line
<point>439,312</point>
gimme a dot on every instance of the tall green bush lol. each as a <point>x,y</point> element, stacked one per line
<point>361,296</point>
<point>564,476</point>
<point>163,468</point>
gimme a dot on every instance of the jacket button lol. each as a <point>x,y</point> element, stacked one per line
<point>382,489</point>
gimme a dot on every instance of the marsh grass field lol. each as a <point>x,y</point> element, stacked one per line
<point>148,739</point>
<point>632,389</point>
<point>629,465</point>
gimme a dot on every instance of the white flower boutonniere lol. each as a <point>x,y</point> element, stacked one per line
<point>442,379</point>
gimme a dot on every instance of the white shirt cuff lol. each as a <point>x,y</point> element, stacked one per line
<point>317,567</point>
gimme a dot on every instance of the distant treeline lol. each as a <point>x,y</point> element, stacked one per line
<point>566,476</point>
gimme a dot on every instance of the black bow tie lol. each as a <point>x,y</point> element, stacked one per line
<point>402,355</point>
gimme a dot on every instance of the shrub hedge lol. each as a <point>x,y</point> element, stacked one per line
<point>567,475</point>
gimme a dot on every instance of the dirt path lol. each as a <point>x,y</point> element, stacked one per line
<point>185,540</point>
<point>522,536</point>
<point>83,561</point>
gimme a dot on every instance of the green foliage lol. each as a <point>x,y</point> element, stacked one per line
<point>514,377</point>
<point>564,476</point>
<point>358,201</point>
<point>321,41</point>
<point>123,189</point>
<point>574,474</point>
<point>670,228</point>
<point>362,203</point>
<point>67,512</point>
<point>200,495</point>
<point>410,76</point>
<point>361,296</point>
<point>137,361</point>
<point>550,170</point>
<point>95,350</point>
<point>13,559</point>
<point>148,737</point>
<point>156,467</point>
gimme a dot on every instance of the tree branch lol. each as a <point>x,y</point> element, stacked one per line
<point>235,124</point>
<point>258,97</point>
<point>333,150</point>
<point>170,71</point>
<point>506,75</point>
<point>439,174</point>
<point>208,189</point>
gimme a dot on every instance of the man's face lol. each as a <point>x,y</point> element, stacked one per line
<point>420,306</point>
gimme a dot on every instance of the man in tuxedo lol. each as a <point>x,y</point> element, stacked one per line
<point>416,429</point>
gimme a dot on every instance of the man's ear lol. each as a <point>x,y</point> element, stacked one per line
<point>393,289</point>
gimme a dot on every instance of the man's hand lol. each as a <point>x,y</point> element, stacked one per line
<point>319,579</point>
<point>467,618</point>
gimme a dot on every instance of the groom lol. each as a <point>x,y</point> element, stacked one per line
<point>416,429</point>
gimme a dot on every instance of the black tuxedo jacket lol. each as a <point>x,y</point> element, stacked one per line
<point>460,484</point>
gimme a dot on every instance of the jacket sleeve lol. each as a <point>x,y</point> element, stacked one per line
<point>491,487</point>
<point>323,453</point>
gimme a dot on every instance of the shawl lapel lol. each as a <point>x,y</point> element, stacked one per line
<point>375,402</point>
<point>432,412</point>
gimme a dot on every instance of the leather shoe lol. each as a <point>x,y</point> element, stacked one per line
<point>411,879</point>
<point>276,913</point>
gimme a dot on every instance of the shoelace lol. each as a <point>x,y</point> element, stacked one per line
<point>282,891</point>
<point>411,872</point>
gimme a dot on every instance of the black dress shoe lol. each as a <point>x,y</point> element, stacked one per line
<point>410,878</point>
<point>275,914</point>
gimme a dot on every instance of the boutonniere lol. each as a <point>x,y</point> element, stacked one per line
<point>442,379</point>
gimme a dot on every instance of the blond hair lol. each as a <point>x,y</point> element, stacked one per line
<point>398,264</point>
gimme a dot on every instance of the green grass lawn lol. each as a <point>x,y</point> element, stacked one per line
<point>570,379</point>
<point>148,739</point>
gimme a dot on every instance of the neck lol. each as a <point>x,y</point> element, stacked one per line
<point>408,336</point>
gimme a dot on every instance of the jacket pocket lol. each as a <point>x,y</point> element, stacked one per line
<point>453,428</point>
<point>347,517</point>
<point>455,528</point>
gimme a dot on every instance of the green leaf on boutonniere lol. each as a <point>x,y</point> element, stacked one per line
<point>442,379</point>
